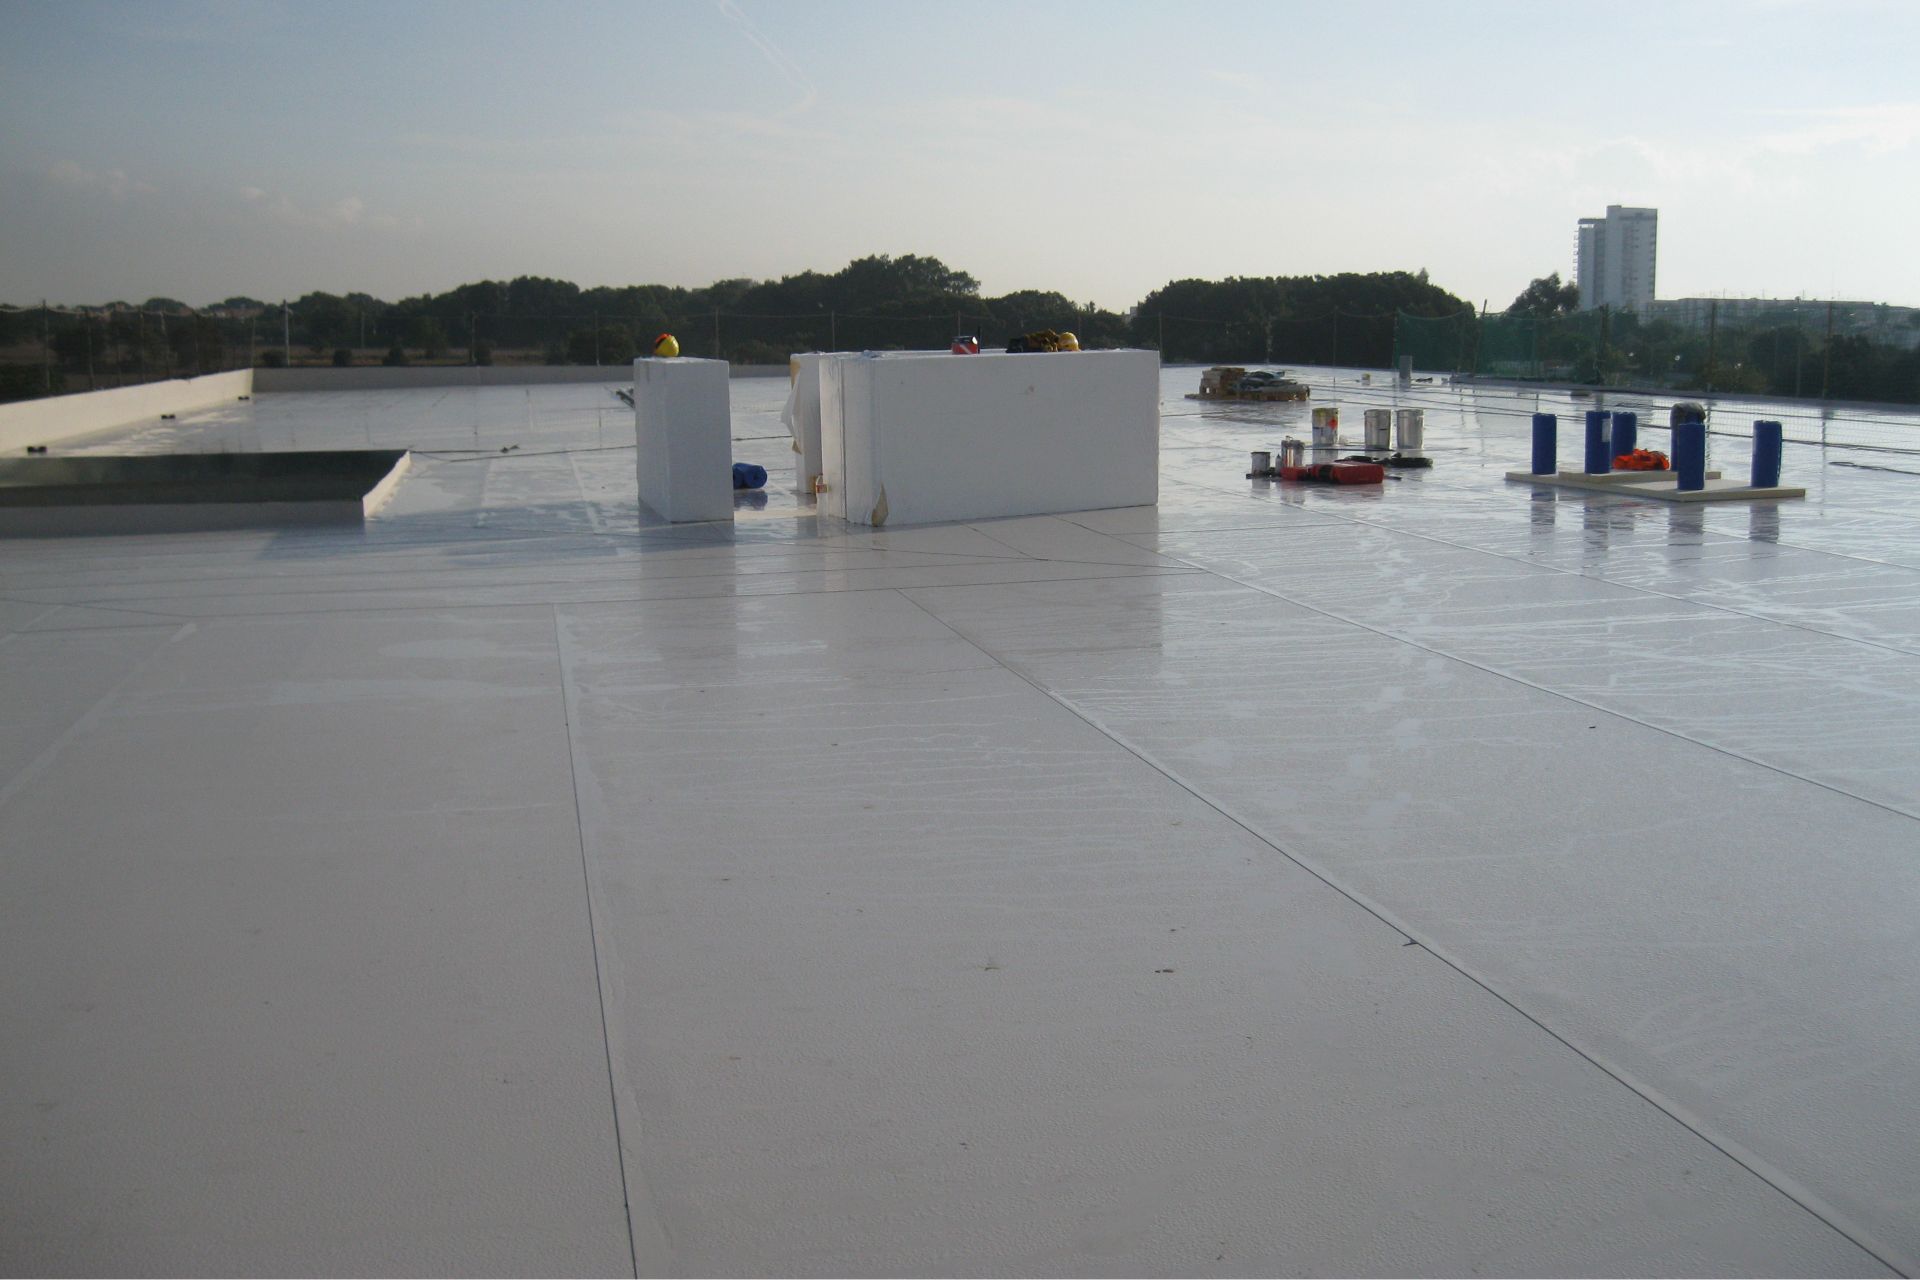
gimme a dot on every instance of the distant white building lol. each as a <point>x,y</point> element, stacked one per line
<point>1616,257</point>
<point>1878,322</point>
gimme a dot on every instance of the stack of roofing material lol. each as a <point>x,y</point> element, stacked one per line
<point>684,437</point>
<point>920,437</point>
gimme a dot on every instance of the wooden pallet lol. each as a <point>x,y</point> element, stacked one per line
<point>1662,486</point>
<point>1253,397</point>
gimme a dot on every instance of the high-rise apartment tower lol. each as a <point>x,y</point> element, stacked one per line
<point>1615,260</point>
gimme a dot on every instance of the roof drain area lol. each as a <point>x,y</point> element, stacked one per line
<point>182,492</point>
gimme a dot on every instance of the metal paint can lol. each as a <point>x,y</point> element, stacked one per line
<point>1293,452</point>
<point>1379,430</point>
<point>1326,426</point>
<point>1409,429</point>
<point>1262,462</point>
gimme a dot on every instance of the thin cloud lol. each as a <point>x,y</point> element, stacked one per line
<point>1244,81</point>
<point>1880,129</point>
<point>342,214</point>
<point>701,128</point>
<point>115,184</point>
<point>198,22</point>
<point>1739,165</point>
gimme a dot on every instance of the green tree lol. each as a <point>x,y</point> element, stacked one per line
<point>424,334</point>
<point>369,313</point>
<point>616,345</point>
<point>75,345</point>
<point>721,295</point>
<point>1339,319</point>
<point>1546,296</point>
<point>198,343</point>
<point>28,381</point>
<point>538,296</point>
<point>326,321</point>
<point>879,279</point>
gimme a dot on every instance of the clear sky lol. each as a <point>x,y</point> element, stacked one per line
<point>202,148</point>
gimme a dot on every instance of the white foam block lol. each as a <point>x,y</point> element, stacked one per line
<point>683,430</point>
<point>802,416</point>
<point>927,436</point>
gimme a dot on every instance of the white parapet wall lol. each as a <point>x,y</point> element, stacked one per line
<point>407,377</point>
<point>918,437</point>
<point>683,429</point>
<point>57,418</point>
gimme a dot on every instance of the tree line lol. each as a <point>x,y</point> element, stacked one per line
<point>876,302</point>
<point>914,302</point>
<point>1781,352</point>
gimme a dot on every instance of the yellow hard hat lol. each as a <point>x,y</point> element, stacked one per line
<point>1069,343</point>
<point>666,345</point>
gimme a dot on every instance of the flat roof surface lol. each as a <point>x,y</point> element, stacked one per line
<point>1444,878</point>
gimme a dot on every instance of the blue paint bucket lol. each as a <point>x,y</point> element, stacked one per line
<point>1766,454</point>
<point>1599,452</point>
<point>1690,455</point>
<point>1546,444</point>
<point>1626,433</point>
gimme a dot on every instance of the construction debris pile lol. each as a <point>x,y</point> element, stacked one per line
<point>1227,382</point>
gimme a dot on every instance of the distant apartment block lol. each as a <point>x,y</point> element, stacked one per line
<point>1879,321</point>
<point>1615,259</point>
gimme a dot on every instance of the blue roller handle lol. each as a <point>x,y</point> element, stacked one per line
<point>1766,454</point>
<point>1626,433</point>
<point>747,475</point>
<point>1690,455</point>
<point>1546,444</point>
<point>1599,456</point>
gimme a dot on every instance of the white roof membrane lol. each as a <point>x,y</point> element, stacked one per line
<point>1441,878</point>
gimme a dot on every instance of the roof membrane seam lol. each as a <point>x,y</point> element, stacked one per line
<point>1760,1169</point>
